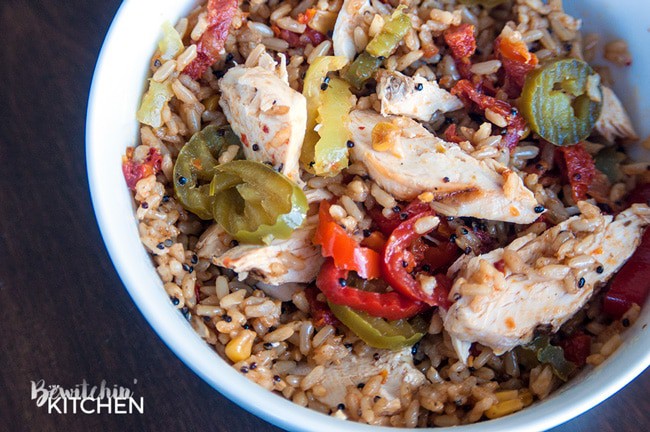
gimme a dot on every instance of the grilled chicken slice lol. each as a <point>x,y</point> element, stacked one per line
<point>355,369</point>
<point>295,259</point>
<point>614,122</point>
<point>545,279</point>
<point>413,97</point>
<point>418,162</point>
<point>267,115</point>
<point>350,16</point>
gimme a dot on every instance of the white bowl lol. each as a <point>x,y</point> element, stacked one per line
<point>111,127</point>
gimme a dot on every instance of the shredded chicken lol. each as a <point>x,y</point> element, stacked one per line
<point>614,122</point>
<point>267,115</point>
<point>419,162</point>
<point>545,279</point>
<point>295,259</point>
<point>356,369</point>
<point>413,97</point>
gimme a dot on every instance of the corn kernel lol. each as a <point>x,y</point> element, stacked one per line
<point>526,397</point>
<point>504,408</point>
<point>239,348</point>
<point>506,395</point>
<point>384,135</point>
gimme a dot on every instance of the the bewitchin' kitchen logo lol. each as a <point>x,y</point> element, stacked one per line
<point>86,399</point>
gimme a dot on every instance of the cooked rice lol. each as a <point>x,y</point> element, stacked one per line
<point>277,344</point>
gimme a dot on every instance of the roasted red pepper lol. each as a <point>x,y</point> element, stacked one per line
<point>400,260</point>
<point>579,168</point>
<point>632,283</point>
<point>451,134</point>
<point>577,348</point>
<point>333,282</point>
<point>211,44</point>
<point>516,125</point>
<point>320,312</point>
<point>387,224</point>
<point>135,171</point>
<point>517,61</point>
<point>335,242</point>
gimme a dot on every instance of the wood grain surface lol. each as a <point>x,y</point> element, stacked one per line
<point>65,315</point>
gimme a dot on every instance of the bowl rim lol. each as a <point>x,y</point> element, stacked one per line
<point>176,333</point>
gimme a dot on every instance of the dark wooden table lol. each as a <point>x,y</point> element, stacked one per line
<point>65,314</point>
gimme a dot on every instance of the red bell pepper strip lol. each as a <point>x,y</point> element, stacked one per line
<point>399,261</point>
<point>471,94</point>
<point>632,283</point>
<point>135,171</point>
<point>332,281</point>
<point>211,44</point>
<point>579,168</point>
<point>335,242</point>
<point>320,311</point>
<point>577,348</point>
<point>517,61</point>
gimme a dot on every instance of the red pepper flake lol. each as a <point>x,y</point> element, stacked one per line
<point>211,44</point>
<point>320,311</point>
<point>304,18</point>
<point>578,168</point>
<point>472,94</point>
<point>135,171</point>
<point>265,129</point>
<point>244,140</point>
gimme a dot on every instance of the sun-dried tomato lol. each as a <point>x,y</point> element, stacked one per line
<point>461,41</point>
<point>451,134</point>
<point>135,171</point>
<point>578,167</point>
<point>320,311</point>
<point>472,95</point>
<point>211,44</point>
<point>297,40</point>
<point>517,61</point>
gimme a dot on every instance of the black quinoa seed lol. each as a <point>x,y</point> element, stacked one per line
<point>247,327</point>
<point>324,86</point>
<point>514,111</point>
<point>539,209</point>
<point>375,356</point>
<point>175,301</point>
<point>165,198</point>
<point>600,269</point>
<point>445,179</point>
<point>229,57</point>
<point>277,378</point>
<point>182,180</point>
<point>419,86</point>
<point>244,369</point>
<point>227,318</point>
<point>366,233</point>
<point>581,282</point>
<point>577,176</point>
<point>468,250</point>
<point>144,205</point>
<point>457,297</point>
<point>350,144</point>
<point>360,385</point>
<point>340,407</point>
<point>426,268</point>
<point>157,63</point>
<point>160,246</point>
<point>397,209</point>
<point>253,366</point>
<point>326,79</point>
<point>464,231</point>
<point>343,282</point>
<point>348,345</point>
<point>256,147</point>
<point>625,322</point>
<point>234,243</point>
<point>405,264</point>
<point>452,238</point>
<point>186,267</point>
<point>194,259</point>
<point>403,216</point>
<point>268,345</point>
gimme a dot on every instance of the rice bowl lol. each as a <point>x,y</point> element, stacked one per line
<point>176,323</point>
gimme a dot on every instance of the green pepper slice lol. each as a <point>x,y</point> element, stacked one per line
<point>393,31</point>
<point>196,162</point>
<point>562,101</point>
<point>378,332</point>
<point>608,161</point>
<point>540,350</point>
<point>362,69</point>
<point>254,203</point>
